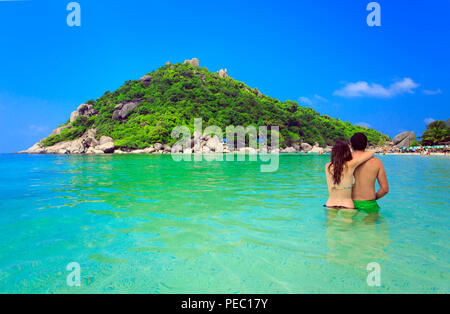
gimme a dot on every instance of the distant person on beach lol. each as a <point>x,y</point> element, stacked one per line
<point>340,175</point>
<point>363,194</point>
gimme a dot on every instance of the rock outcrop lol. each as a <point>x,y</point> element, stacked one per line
<point>86,144</point>
<point>146,80</point>
<point>248,150</point>
<point>86,110</point>
<point>194,62</point>
<point>123,110</point>
<point>223,73</point>
<point>289,150</point>
<point>215,144</point>
<point>167,148</point>
<point>35,149</point>
<point>59,130</point>
<point>306,147</point>
<point>404,139</point>
<point>198,144</point>
<point>106,145</point>
<point>258,93</point>
<point>316,149</point>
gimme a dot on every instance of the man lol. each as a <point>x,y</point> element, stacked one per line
<point>363,193</point>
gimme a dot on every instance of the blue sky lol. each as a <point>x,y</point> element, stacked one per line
<point>321,53</point>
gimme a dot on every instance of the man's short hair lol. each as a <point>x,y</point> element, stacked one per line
<point>359,141</point>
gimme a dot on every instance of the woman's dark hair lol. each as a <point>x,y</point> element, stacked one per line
<point>340,154</point>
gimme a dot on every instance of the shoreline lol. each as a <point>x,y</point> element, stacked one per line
<point>224,153</point>
<point>417,154</point>
<point>92,144</point>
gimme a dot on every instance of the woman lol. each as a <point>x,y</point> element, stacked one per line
<point>339,173</point>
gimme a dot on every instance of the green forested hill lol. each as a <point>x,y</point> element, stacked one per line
<point>175,94</point>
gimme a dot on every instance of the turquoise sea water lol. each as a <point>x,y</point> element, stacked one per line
<point>147,224</point>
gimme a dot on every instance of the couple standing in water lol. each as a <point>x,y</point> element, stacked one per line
<point>351,176</point>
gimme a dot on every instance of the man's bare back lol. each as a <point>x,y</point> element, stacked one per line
<point>365,176</point>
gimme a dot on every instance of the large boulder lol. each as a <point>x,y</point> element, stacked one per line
<point>197,148</point>
<point>197,135</point>
<point>91,141</point>
<point>84,144</point>
<point>223,73</point>
<point>206,137</point>
<point>248,150</point>
<point>106,148</point>
<point>215,144</point>
<point>149,150</point>
<point>105,144</point>
<point>92,150</point>
<point>404,139</point>
<point>400,137</point>
<point>59,148</point>
<point>105,139</point>
<point>123,110</point>
<point>146,79</point>
<point>91,133</point>
<point>176,149</point>
<point>306,147</point>
<point>316,150</point>
<point>87,143</point>
<point>188,143</point>
<point>138,151</point>
<point>35,149</point>
<point>289,150</point>
<point>86,110</point>
<point>194,62</point>
<point>275,151</point>
<point>76,146</point>
<point>74,115</point>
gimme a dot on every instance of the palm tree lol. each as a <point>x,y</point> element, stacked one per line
<point>437,132</point>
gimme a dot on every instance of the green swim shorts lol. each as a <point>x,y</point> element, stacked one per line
<point>367,206</point>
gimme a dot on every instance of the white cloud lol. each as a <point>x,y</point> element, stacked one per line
<point>38,128</point>
<point>305,101</point>
<point>311,101</point>
<point>432,92</point>
<point>320,98</point>
<point>35,130</point>
<point>429,120</point>
<point>364,124</point>
<point>364,89</point>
